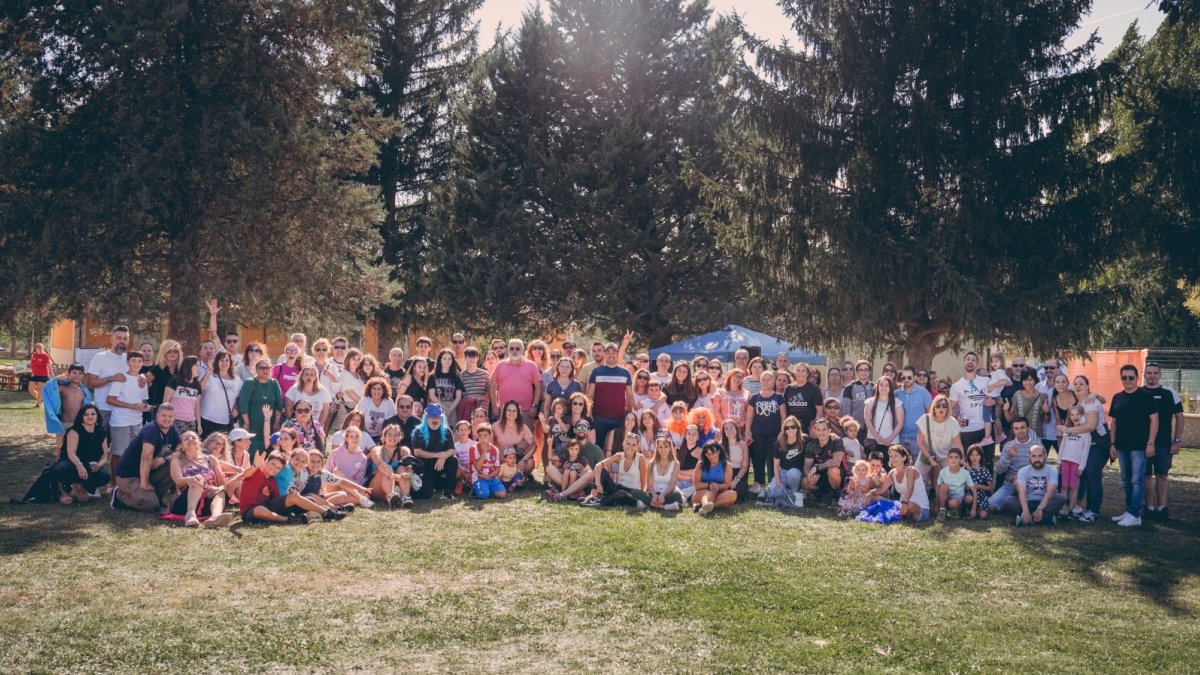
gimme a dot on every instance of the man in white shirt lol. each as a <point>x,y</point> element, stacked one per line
<point>967,396</point>
<point>107,367</point>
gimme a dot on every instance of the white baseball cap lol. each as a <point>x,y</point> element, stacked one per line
<point>240,435</point>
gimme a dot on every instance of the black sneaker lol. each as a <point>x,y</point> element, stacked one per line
<point>407,502</point>
<point>395,500</point>
<point>332,515</point>
<point>448,496</point>
<point>346,508</point>
<point>297,519</point>
<point>1162,514</point>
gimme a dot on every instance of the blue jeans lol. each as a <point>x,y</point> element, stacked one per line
<point>791,478</point>
<point>1133,476</point>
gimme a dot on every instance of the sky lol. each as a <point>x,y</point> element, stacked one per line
<point>1109,18</point>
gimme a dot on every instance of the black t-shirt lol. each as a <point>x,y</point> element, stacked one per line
<point>1166,403</point>
<point>395,376</point>
<point>765,414</point>
<point>791,457</point>
<point>444,386</point>
<point>802,401</point>
<point>686,461</point>
<point>158,385</point>
<point>1132,413</point>
<point>437,442</point>
<point>417,392</point>
<point>90,446</point>
<point>406,426</point>
<point>819,455</point>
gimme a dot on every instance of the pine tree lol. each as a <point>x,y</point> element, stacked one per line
<point>162,151</point>
<point>908,175</point>
<point>422,52</point>
<point>570,185</point>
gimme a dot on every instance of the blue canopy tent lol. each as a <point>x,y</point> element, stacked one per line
<point>723,343</point>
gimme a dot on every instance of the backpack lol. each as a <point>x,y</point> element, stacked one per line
<point>45,490</point>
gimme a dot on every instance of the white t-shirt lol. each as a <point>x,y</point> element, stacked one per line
<point>997,382</point>
<point>126,392</point>
<point>348,381</point>
<point>940,435</point>
<point>106,364</point>
<point>883,420</point>
<point>318,401</point>
<point>374,416</point>
<point>329,377</point>
<point>219,396</point>
<point>969,395</point>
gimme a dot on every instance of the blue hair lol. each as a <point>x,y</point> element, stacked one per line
<point>423,430</point>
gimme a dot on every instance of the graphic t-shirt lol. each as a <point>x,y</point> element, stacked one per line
<point>187,393</point>
<point>802,401</point>
<point>969,395</point>
<point>491,460</point>
<point>790,457</point>
<point>445,386</point>
<point>1037,481</point>
<point>611,386</point>
<point>764,411</point>
<point>375,415</point>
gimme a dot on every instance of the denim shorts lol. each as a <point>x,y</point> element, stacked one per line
<point>1160,463</point>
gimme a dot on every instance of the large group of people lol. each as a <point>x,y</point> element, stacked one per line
<point>319,431</point>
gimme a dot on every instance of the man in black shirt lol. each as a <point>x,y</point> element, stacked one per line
<point>1169,407</point>
<point>1134,424</point>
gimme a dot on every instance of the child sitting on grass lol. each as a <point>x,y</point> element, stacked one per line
<point>484,461</point>
<point>953,483</point>
<point>855,497</point>
<point>262,502</point>
<point>510,474</point>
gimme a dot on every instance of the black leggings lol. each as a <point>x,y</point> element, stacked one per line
<point>1092,484</point>
<point>68,475</point>
<point>619,495</point>
<point>760,458</point>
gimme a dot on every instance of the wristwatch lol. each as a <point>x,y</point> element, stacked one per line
<point>1176,440</point>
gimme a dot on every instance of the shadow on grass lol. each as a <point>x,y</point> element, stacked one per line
<point>1161,555</point>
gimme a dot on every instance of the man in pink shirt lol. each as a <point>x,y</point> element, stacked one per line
<point>516,379</point>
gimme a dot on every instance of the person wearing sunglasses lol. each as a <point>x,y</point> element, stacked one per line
<point>516,379</point>
<point>1133,420</point>
<point>916,402</point>
<point>937,433</point>
<point>458,344</point>
<point>260,404</point>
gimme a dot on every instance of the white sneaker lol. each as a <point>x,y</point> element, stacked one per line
<point>642,505</point>
<point>706,508</point>
<point>1123,516</point>
<point>365,502</point>
<point>673,506</point>
<point>755,488</point>
<point>798,498</point>
<point>1131,521</point>
<point>190,520</point>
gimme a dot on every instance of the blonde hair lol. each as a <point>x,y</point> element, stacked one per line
<point>160,359</point>
<point>861,468</point>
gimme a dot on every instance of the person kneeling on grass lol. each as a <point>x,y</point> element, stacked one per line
<point>953,484</point>
<point>628,489</point>
<point>143,473</point>
<point>262,503</point>
<point>484,461</point>
<point>713,477</point>
<point>1037,498</point>
<point>914,500</point>
<point>199,485</point>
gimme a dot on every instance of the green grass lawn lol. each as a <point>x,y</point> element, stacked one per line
<point>531,586</point>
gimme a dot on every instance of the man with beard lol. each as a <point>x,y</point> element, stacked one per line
<point>1037,498</point>
<point>967,395</point>
<point>106,367</point>
<point>589,452</point>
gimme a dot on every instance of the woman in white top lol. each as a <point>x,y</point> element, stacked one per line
<point>937,432</point>
<point>833,384</point>
<point>664,473</point>
<point>377,406</point>
<point>309,388</point>
<point>218,403</point>
<point>914,499</point>
<point>705,391</point>
<point>349,383</point>
<point>629,486</point>
<point>884,417</point>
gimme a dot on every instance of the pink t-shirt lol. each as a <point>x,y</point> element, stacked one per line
<point>515,381</point>
<point>286,377</point>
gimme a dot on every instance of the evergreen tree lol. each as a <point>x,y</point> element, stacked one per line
<point>422,52</point>
<point>569,201</point>
<point>908,175</point>
<point>158,152</point>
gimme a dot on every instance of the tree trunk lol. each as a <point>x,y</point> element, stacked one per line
<point>920,350</point>
<point>183,324</point>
